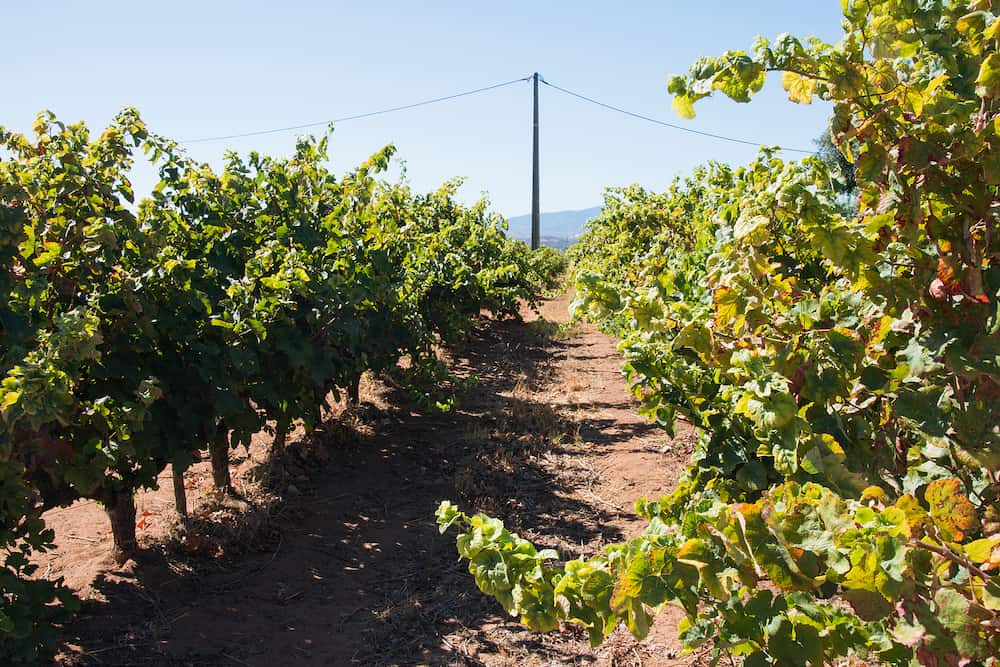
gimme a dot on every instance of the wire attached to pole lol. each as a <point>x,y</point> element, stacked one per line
<point>356,116</point>
<point>484,89</point>
<point>666,124</point>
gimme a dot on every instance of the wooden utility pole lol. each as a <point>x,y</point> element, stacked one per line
<point>536,216</point>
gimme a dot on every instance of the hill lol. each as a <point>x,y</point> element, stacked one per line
<point>559,228</point>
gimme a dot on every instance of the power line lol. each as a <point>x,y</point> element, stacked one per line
<point>357,116</point>
<point>666,124</point>
<point>484,89</point>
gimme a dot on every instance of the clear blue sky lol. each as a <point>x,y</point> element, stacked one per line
<point>206,68</point>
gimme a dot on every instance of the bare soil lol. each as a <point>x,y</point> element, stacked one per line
<point>335,559</point>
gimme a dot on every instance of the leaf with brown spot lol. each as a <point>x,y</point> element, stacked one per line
<point>952,511</point>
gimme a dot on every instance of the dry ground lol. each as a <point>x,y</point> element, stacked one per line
<point>340,563</point>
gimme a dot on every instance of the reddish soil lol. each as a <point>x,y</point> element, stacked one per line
<point>337,561</point>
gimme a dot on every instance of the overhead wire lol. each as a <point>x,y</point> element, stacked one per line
<point>476,91</point>
<point>665,123</point>
<point>359,116</point>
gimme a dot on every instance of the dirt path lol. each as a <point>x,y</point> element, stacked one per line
<point>350,568</point>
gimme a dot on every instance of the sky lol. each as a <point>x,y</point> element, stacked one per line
<point>213,67</point>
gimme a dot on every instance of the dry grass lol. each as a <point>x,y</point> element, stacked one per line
<point>225,525</point>
<point>359,568</point>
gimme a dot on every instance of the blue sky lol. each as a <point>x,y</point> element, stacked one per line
<point>197,69</point>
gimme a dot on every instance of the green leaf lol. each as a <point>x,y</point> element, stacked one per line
<point>447,514</point>
<point>490,572</point>
<point>869,605</point>
<point>956,614</point>
<point>538,608</point>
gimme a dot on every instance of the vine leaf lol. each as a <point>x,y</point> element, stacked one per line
<point>869,605</point>
<point>800,88</point>
<point>951,509</point>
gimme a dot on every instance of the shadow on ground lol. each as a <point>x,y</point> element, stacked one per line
<point>354,570</point>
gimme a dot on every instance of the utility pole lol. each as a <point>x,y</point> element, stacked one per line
<point>536,216</point>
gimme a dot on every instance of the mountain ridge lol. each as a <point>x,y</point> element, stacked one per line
<point>558,228</point>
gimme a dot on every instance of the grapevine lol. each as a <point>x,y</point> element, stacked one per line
<point>839,365</point>
<point>135,335</point>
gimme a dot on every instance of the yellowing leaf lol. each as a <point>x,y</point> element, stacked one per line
<point>936,83</point>
<point>951,509</point>
<point>873,493</point>
<point>915,514</point>
<point>800,88</point>
<point>992,31</point>
<point>683,106</point>
<point>726,306</point>
<point>985,550</point>
<point>989,76</point>
<point>747,225</point>
<point>9,398</point>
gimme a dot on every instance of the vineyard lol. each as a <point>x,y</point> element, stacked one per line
<point>808,426</point>
<point>135,337</point>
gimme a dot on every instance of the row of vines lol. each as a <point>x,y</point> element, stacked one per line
<point>134,336</point>
<point>839,357</point>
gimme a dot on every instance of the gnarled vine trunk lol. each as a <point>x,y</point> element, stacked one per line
<point>120,507</point>
<point>280,435</point>
<point>354,389</point>
<point>218,449</point>
<point>180,494</point>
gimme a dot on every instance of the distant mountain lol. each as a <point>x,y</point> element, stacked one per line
<point>558,228</point>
